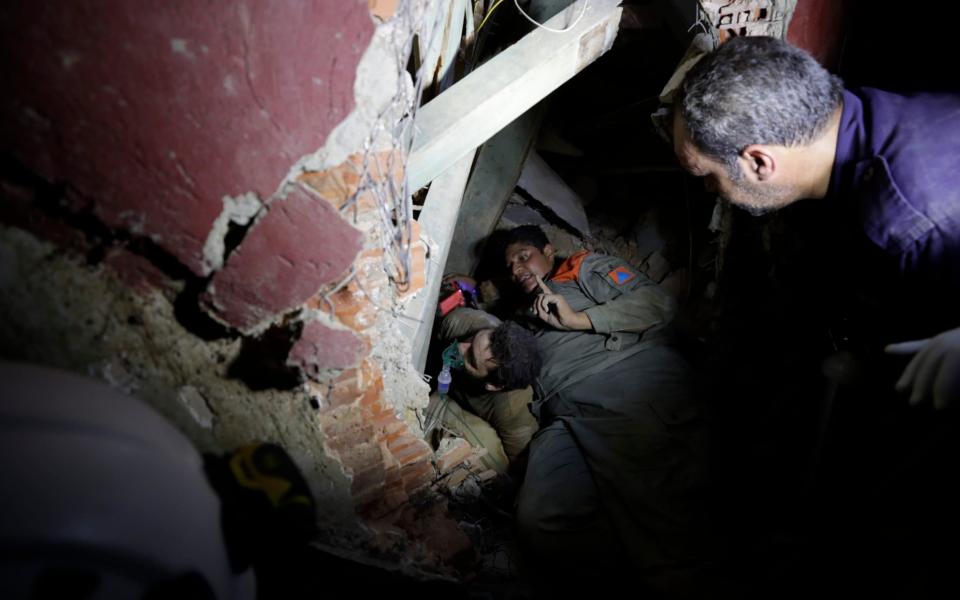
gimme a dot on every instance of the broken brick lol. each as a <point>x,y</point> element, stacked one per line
<point>416,476</point>
<point>371,476</point>
<point>344,427</point>
<point>339,184</point>
<point>383,9</point>
<point>456,478</point>
<point>300,245</point>
<point>409,449</point>
<point>452,452</point>
<point>321,348</point>
<point>416,277</point>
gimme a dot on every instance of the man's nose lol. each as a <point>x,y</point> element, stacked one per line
<point>515,268</point>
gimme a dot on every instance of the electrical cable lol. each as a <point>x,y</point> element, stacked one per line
<point>489,12</point>
<point>542,26</point>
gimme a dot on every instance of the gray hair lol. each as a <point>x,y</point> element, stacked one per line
<point>756,90</point>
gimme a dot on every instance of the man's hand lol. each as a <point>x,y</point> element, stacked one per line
<point>934,373</point>
<point>554,310</point>
<point>453,278</point>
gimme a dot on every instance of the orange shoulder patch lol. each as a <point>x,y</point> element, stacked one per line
<point>569,270</point>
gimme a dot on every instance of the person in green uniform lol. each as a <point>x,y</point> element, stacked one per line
<point>490,394</point>
<point>616,471</point>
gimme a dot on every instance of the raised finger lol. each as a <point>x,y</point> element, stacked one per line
<point>911,347</point>
<point>926,374</point>
<point>543,286</point>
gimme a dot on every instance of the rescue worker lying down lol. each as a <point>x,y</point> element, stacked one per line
<point>490,396</point>
<point>615,471</point>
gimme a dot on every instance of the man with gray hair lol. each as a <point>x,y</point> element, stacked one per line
<point>765,125</point>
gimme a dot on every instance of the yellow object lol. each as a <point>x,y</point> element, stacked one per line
<point>490,12</point>
<point>246,473</point>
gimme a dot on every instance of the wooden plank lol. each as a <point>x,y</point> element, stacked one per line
<point>472,110</point>
<point>497,169</point>
<point>437,221</point>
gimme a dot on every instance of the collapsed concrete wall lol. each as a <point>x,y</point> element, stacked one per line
<point>204,205</point>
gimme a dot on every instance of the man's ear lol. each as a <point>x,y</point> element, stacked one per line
<point>549,251</point>
<point>759,162</point>
<point>491,387</point>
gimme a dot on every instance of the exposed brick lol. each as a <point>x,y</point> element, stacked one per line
<point>355,305</point>
<point>383,9</point>
<point>345,388</point>
<point>300,245</point>
<point>416,277</point>
<point>418,475</point>
<point>411,281</point>
<point>383,419</point>
<point>455,478</point>
<point>372,394</point>
<point>338,185</point>
<point>364,479</point>
<point>411,449</point>
<point>359,457</point>
<point>321,348</point>
<point>344,427</point>
<point>349,305</point>
<point>452,452</point>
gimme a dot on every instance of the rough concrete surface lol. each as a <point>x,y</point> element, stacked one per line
<point>152,188</point>
<point>81,318</point>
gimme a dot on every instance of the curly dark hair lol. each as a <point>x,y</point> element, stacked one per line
<point>526,234</point>
<point>515,351</point>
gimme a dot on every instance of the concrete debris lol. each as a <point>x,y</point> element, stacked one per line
<point>452,452</point>
<point>648,236</point>
<point>548,188</point>
<point>656,267</point>
<point>196,405</point>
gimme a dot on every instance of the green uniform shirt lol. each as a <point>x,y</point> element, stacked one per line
<point>627,311</point>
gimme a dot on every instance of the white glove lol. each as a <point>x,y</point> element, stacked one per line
<point>934,373</point>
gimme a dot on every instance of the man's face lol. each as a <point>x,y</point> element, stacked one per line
<point>525,261</point>
<point>754,197</point>
<point>478,355</point>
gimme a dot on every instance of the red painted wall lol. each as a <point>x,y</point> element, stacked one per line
<point>152,112</point>
<point>817,26</point>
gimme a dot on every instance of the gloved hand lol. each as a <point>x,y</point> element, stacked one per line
<point>934,373</point>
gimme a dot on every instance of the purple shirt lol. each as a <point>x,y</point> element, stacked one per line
<point>898,163</point>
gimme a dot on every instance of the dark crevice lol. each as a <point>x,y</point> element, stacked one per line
<point>262,362</point>
<point>235,234</point>
<point>187,311</point>
<point>53,201</point>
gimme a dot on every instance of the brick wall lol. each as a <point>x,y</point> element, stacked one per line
<point>164,235</point>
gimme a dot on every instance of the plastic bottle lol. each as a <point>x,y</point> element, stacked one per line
<point>443,380</point>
